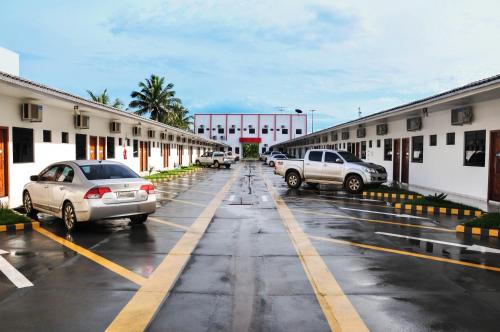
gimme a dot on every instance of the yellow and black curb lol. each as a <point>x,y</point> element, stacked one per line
<point>173,176</point>
<point>376,194</point>
<point>437,210</point>
<point>19,227</point>
<point>477,231</point>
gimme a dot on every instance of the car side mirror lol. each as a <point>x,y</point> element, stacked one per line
<point>34,178</point>
<point>338,161</point>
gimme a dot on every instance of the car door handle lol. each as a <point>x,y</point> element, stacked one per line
<point>46,186</point>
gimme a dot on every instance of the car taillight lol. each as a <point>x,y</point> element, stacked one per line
<point>149,188</point>
<point>96,192</point>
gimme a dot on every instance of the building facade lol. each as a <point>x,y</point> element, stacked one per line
<point>40,125</point>
<point>447,143</point>
<point>262,129</point>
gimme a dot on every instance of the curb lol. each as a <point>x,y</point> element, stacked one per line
<point>438,210</point>
<point>17,227</point>
<point>477,231</point>
<point>376,194</point>
<point>170,177</point>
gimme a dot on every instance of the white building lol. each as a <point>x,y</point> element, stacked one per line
<point>40,125</point>
<point>262,129</point>
<point>448,143</point>
<point>9,62</point>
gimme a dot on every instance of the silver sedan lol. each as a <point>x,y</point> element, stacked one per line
<point>86,190</point>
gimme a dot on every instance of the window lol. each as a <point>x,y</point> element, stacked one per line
<point>475,148</point>
<point>417,149</point>
<point>81,146</point>
<point>378,143</point>
<point>284,131</point>
<point>387,149</point>
<point>370,144</point>
<point>265,130</point>
<point>128,141</point>
<point>433,140</point>
<point>136,148</point>
<point>110,147</point>
<point>315,155</point>
<point>298,131</point>
<point>49,174</point>
<point>450,139</point>
<point>66,174</point>
<point>237,150</point>
<point>120,141</point>
<point>221,131</point>
<point>201,130</point>
<point>332,158</point>
<point>263,150</point>
<point>47,136</point>
<point>22,142</point>
<point>251,130</point>
<point>64,137</point>
<point>232,131</point>
<point>363,150</point>
<point>149,149</point>
<point>107,172</point>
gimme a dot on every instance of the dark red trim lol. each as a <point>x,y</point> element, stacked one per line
<point>250,140</point>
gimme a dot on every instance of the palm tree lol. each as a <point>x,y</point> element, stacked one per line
<point>154,98</point>
<point>178,116</point>
<point>103,98</point>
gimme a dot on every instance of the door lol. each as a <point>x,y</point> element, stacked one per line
<point>180,152</point>
<point>494,185</point>
<point>102,148</point>
<point>40,191</point>
<point>396,160</point>
<point>357,149</point>
<point>60,187</point>
<point>190,155</point>
<point>93,148</point>
<point>4,164</point>
<point>405,169</point>
<point>143,156</point>
<point>81,146</point>
<point>332,167</point>
<point>166,154</point>
<point>313,166</point>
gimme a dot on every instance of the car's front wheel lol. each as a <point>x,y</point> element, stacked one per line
<point>293,180</point>
<point>216,164</point>
<point>354,184</point>
<point>69,216</point>
<point>28,205</point>
<point>198,163</point>
<point>139,219</point>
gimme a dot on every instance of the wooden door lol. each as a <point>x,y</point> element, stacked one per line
<point>396,160</point>
<point>93,148</point>
<point>143,155</point>
<point>494,185</point>
<point>102,148</point>
<point>4,162</point>
<point>405,169</point>
<point>190,155</point>
<point>357,149</point>
<point>180,152</point>
<point>166,154</point>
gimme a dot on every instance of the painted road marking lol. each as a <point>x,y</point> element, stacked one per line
<point>183,201</point>
<point>264,198</point>
<point>231,198</point>
<point>127,274</point>
<point>407,253</point>
<point>188,187</point>
<point>140,310</point>
<point>165,192</point>
<point>384,213</point>
<point>473,247</point>
<point>16,277</point>
<point>339,312</point>
<point>395,223</point>
<point>169,223</point>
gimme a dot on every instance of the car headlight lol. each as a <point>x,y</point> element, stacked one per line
<point>370,170</point>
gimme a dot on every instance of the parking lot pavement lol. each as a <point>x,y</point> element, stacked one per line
<point>236,250</point>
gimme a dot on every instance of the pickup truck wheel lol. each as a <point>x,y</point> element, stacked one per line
<point>354,184</point>
<point>293,180</point>
<point>216,164</point>
<point>271,163</point>
<point>228,166</point>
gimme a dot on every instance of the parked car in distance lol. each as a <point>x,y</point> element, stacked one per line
<point>330,167</point>
<point>232,155</point>
<point>86,190</point>
<point>215,158</point>
<point>268,154</point>
<point>271,161</point>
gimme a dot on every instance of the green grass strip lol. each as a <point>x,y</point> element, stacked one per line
<point>8,217</point>
<point>487,220</point>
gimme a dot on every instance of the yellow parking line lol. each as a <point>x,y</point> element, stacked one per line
<point>375,221</point>
<point>140,310</point>
<point>407,253</point>
<point>127,274</point>
<point>169,223</point>
<point>338,310</point>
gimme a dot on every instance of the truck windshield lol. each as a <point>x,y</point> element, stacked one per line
<point>349,157</point>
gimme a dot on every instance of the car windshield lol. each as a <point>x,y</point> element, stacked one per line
<point>349,157</point>
<point>107,171</point>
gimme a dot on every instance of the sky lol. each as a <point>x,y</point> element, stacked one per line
<point>233,56</point>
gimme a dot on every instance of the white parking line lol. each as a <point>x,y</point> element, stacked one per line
<point>231,198</point>
<point>264,198</point>
<point>384,213</point>
<point>165,192</point>
<point>14,275</point>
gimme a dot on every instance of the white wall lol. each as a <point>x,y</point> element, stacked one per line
<point>9,62</point>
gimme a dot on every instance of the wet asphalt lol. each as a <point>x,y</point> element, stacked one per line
<point>245,275</point>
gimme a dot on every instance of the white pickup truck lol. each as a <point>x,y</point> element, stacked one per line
<point>330,167</point>
<point>214,158</point>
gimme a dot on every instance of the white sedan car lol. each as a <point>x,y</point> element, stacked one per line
<point>87,190</point>
<point>271,161</point>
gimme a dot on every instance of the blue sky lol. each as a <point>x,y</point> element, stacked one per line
<point>252,56</point>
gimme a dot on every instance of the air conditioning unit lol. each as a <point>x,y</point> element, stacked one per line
<point>461,116</point>
<point>136,131</point>
<point>163,135</point>
<point>151,133</point>
<point>115,127</point>
<point>414,124</point>
<point>82,121</point>
<point>31,112</point>
<point>361,132</point>
<point>382,129</point>
<point>345,135</point>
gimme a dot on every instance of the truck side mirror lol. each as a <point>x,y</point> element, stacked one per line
<point>34,178</point>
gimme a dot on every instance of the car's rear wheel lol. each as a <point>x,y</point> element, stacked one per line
<point>216,164</point>
<point>228,166</point>
<point>354,184</point>
<point>28,205</point>
<point>271,163</point>
<point>293,180</point>
<point>197,162</point>
<point>69,216</point>
<point>139,219</point>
